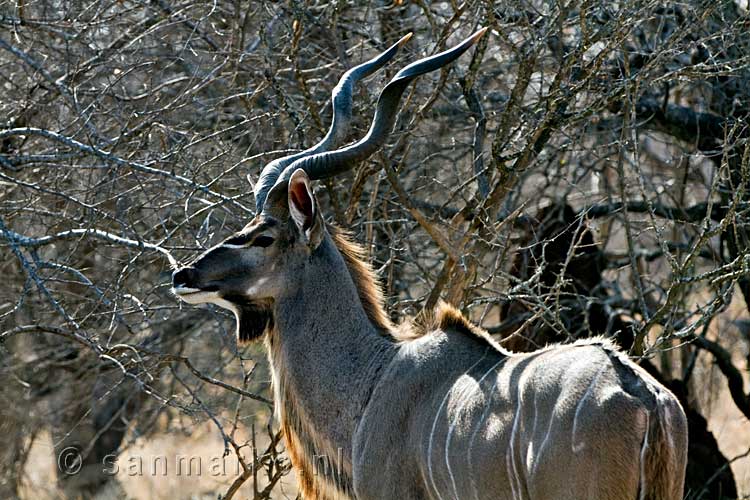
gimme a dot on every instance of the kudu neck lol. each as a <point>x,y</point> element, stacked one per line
<point>327,357</point>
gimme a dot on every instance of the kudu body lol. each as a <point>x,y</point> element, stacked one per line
<point>368,413</point>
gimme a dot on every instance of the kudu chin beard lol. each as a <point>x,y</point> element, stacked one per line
<point>253,318</point>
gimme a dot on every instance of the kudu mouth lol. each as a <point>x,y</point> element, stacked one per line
<point>253,318</point>
<point>185,284</point>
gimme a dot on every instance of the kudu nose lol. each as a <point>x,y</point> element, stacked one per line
<point>183,277</point>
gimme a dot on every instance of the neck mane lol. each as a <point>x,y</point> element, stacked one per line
<point>443,317</point>
<point>364,278</point>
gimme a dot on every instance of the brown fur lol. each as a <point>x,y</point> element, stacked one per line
<point>299,461</point>
<point>661,478</point>
<point>364,278</point>
<point>446,318</point>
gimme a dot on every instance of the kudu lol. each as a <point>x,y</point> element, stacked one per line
<point>441,413</point>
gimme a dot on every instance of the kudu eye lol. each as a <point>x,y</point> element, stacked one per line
<point>262,241</point>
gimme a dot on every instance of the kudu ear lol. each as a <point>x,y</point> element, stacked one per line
<point>303,208</point>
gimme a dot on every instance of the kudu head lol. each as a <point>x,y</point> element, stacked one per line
<point>251,269</point>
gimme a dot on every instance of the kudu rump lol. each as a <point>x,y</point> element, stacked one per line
<point>441,413</point>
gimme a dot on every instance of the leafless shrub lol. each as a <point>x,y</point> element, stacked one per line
<point>129,129</point>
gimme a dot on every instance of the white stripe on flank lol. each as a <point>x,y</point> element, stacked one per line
<point>484,416</point>
<point>451,427</point>
<point>576,447</point>
<point>530,465</point>
<point>544,443</point>
<point>434,426</point>
<point>515,480</point>
<point>643,460</point>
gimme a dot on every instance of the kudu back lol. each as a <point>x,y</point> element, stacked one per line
<point>444,413</point>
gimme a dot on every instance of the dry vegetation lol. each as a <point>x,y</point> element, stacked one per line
<point>585,172</point>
